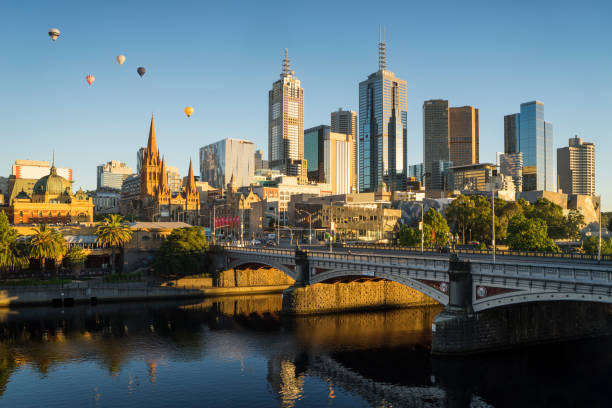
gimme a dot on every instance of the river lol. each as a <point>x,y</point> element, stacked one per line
<point>240,352</point>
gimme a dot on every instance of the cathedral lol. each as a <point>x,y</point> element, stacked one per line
<point>156,201</point>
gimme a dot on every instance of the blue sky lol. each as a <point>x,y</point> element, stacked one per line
<point>222,57</point>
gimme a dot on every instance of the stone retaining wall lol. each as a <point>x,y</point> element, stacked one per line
<point>251,277</point>
<point>517,326</point>
<point>336,297</point>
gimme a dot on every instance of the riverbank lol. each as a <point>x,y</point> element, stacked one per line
<point>98,292</point>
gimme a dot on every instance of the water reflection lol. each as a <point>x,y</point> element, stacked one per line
<point>242,352</point>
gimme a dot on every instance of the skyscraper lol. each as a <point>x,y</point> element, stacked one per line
<point>464,143</point>
<point>576,167</point>
<point>534,138</point>
<point>286,124</point>
<point>511,128</point>
<point>227,158</point>
<point>314,139</point>
<point>382,128</point>
<point>112,174</point>
<point>435,140</point>
<point>260,162</point>
<point>511,165</point>
<point>343,121</point>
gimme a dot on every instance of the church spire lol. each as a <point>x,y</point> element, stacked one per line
<point>190,178</point>
<point>163,177</point>
<point>152,144</point>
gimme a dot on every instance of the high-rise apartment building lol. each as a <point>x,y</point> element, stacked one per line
<point>345,121</point>
<point>436,145</point>
<point>286,125</point>
<point>260,162</point>
<point>464,143</point>
<point>534,138</point>
<point>314,139</point>
<point>112,174</point>
<point>511,165</point>
<point>175,181</point>
<point>221,160</point>
<point>576,167</point>
<point>511,129</point>
<point>382,129</point>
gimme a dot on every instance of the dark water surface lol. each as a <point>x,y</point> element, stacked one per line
<point>239,352</point>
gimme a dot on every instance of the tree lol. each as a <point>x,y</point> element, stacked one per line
<point>461,214</point>
<point>529,234</point>
<point>182,252</point>
<point>590,246</point>
<point>573,225</point>
<point>435,229</point>
<point>13,255</point>
<point>76,257</point>
<point>409,236</point>
<point>113,233</point>
<point>46,243</point>
<point>551,213</point>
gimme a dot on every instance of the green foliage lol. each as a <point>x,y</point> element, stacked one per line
<point>409,236</point>
<point>529,234</point>
<point>183,252</point>
<point>37,282</point>
<point>590,246</point>
<point>435,229</point>
<point>13,253</point>
<point>46,243</point>
<point>573,224</point>
<point>461,214</point>
<point>114,232</point>
<point>551,213</point>
<point>76,256</point>
<point>126,277</point>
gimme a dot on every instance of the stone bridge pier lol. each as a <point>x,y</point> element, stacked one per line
<point>459,330</point>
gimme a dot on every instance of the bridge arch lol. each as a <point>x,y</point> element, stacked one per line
<point>520,296</point>
<point>439,294</point>
<point>283,268</point>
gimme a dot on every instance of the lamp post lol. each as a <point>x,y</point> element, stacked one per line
<point>493,218</point>
<point>599,240</point>
<point>422,226</point>
<point>309,224</point>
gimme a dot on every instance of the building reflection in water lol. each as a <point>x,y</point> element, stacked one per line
<point>382,357</point>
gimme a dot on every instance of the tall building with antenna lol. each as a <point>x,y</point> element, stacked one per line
<point>286,125</point>
<point>382,127</point>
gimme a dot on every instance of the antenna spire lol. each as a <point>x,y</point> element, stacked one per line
<point>286,64</point>
<point>382,49</point>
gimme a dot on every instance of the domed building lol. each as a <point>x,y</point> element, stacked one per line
<point>51,202</point>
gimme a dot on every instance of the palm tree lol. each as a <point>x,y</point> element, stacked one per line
<point>12,253</point>
<point>114,232</point>
<point>46,243</point>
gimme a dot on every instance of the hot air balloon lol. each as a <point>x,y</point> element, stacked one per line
<point>120,59</point>
<point>54,33</point>
<point>90,79</point>
<point>189,111</point>
<point>141,71</point>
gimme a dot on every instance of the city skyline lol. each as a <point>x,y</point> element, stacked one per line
<point>564,91</point>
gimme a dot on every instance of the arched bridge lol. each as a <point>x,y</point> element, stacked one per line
<point>489,285</point>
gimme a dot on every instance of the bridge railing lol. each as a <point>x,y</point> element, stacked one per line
<point>474,251</point>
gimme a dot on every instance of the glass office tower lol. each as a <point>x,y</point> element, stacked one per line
<point>535,141</point>
<point>382,129</point>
